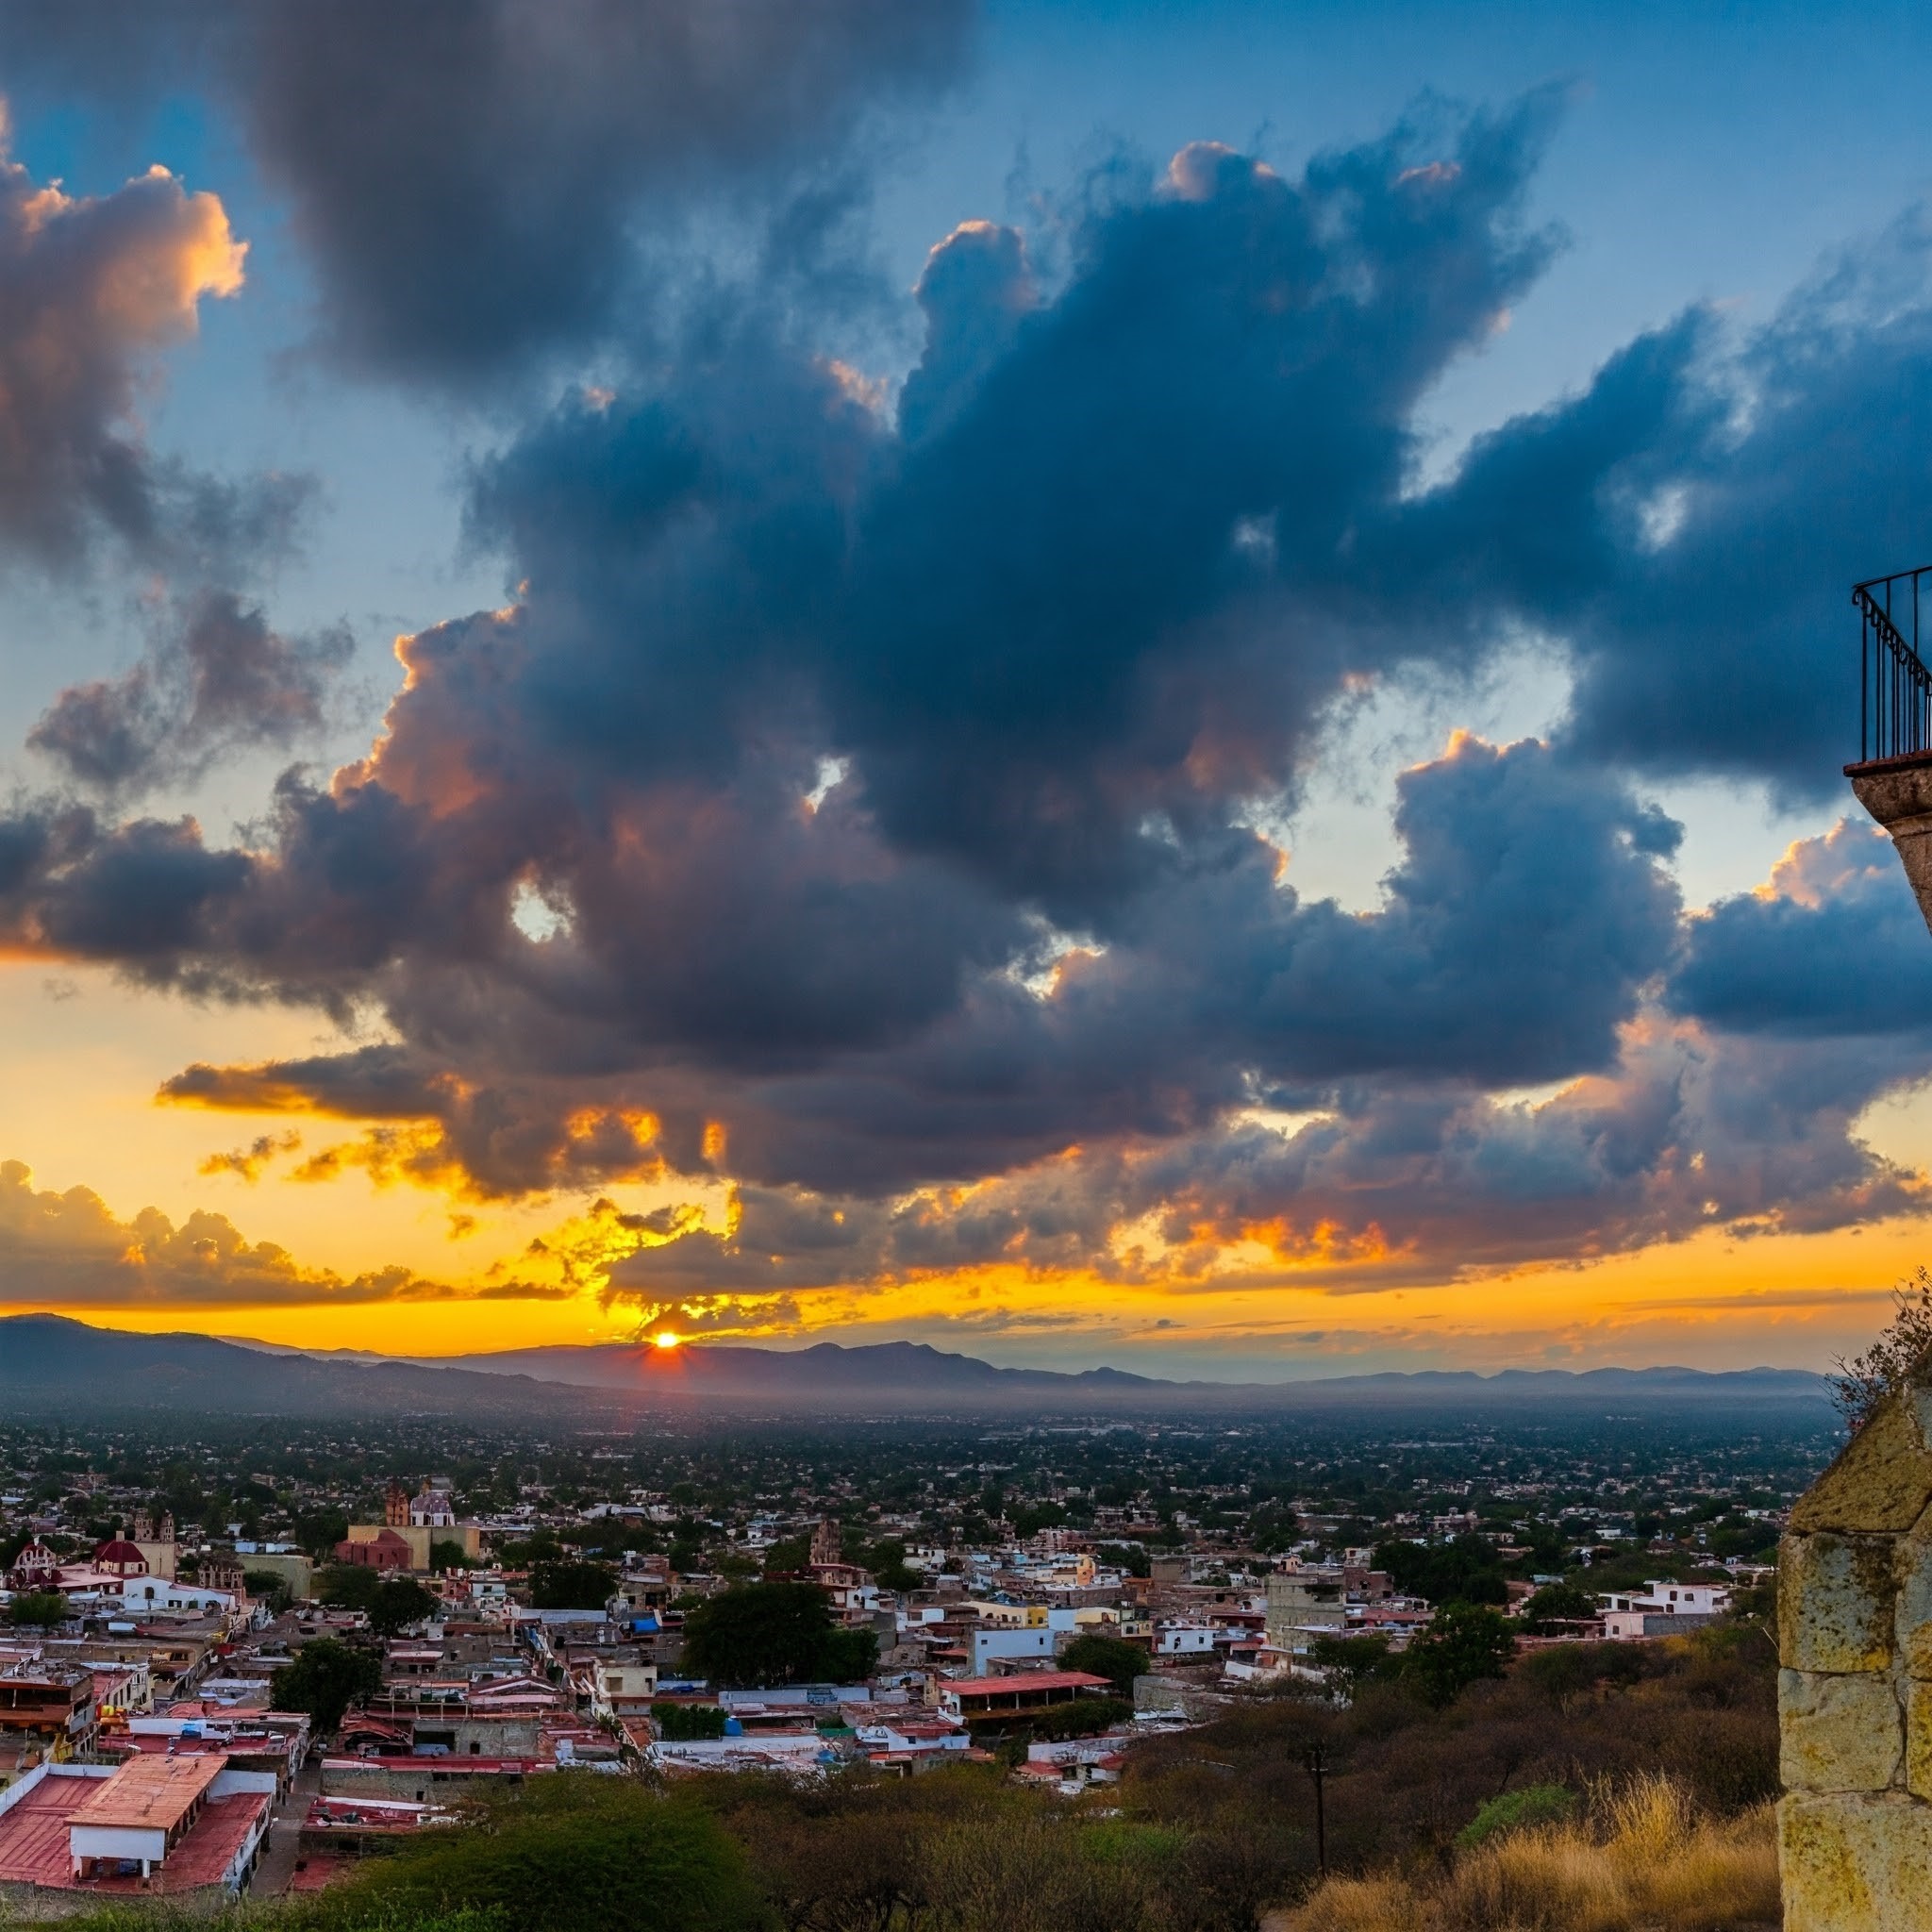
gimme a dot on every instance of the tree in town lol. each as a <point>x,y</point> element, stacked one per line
<point>1083,1717</point>
<point>1463,1643</point>
<point>38,1608</point>
<point>1112,1657</point>
<point>761,1634</point>
<point>885,1560</point>
<point>348,1585</point>
<point>788,1556</point>
<point>270,1586</point>
<point>1353,1662</point>
<point>683,1722</point>
<point>397,1602</point>
<point>1555,1604</point>
<point>1467,1571</point>
<point>326,1677</point>
<point>566,1586</point>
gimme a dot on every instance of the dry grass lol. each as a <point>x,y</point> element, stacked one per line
<point>1641,1860</point>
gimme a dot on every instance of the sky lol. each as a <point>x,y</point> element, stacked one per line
<point>1160,684</point>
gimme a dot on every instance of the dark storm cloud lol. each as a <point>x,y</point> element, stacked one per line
<point>1105,590</point>
<point>1836,949</point>
<point>467,174</point>
<point>1690,526</point>
<point>863,810</point>
<point>1222,984</point>
<point>215,679</point>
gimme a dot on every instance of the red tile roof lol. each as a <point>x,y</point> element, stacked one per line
<point>1028,1680</point>
<point>34,1848</point>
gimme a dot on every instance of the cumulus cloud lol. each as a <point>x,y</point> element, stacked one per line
<point>217,679</point>
<point>891,785</point>
<point>1831,949</point>
<point>71,1251</point>
<point>468,174</point>
<point>91,289</point>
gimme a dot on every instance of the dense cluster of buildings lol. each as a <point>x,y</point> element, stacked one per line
<point>141,1754</point>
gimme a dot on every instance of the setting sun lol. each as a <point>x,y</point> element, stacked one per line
<point>665,1339</point>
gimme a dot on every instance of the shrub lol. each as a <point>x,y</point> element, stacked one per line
<point>574,1852</point>
<point>1513,1811</point>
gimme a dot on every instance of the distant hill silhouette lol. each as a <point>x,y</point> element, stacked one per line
<point>48,1362</point>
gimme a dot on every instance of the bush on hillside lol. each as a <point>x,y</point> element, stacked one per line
<point>573,1852</point>
<point>1515,1811</point>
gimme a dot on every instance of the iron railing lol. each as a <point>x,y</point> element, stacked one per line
<point>1894,686</point>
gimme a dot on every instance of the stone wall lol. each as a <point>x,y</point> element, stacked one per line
<point>1855,1692</point>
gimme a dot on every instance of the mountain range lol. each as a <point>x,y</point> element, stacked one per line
<point>48,1362</point>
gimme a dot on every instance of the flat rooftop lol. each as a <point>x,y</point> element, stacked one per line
<point>149,1793</point>
<point>1025,1680</point>
<point>34,1848</point>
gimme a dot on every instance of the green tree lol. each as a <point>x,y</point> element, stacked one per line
<point>1029,1518</point>
<point>682,1723</point>
<point>1083,1718</point>
<point>761,1634</point>
<point>348,1585</point>
<point>319,1531</point>
<point>270,1586</point>
<point>1555,1603</point>
<point>444,1555</point>
<point>1463,1643</point>
<point>1112,1657</point>
<point>885,1560</point>
<point>849,1656</point>
<point>1353,1662</point>
<point>788,1556</point>
<point>569,1852</point>
<point>397,1602</point>
<point>1467,1571</point>
<point>326,1677</point>
<point>571,1586</point>
<point>37,1606</point>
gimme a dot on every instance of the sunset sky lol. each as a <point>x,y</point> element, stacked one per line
<point>1160,684</point>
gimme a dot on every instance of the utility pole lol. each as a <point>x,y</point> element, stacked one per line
<point>1316,1763</point>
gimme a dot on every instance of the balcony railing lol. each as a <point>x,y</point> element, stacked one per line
<point>1894,686</point>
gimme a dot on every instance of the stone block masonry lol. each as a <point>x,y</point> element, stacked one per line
<point>1855,1689</point>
